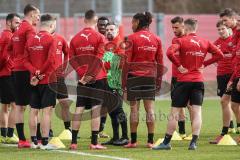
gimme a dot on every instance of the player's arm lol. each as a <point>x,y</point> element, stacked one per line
<point>74,60</point>
<point>171,53</point>
<point>97,64</point>
<point>216,55</point>
<point>65,53</point>
<point>159,59</point>
<point>27,62</point>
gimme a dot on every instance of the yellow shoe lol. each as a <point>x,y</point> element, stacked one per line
<point>231,130</point>
<point>238,130</point>
<point>183,135</point>
<point>188,138</point>
<point>2,139</point>
<point>12,140</point>
<point>103,135</point>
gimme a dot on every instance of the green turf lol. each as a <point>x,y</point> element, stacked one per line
<point>211,127</point>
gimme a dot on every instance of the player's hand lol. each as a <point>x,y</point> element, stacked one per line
<point>229,86</point>
<point>87,78</point>
<point>40,77</point>
<point>182,69</point>
<point>37,72</point>
<point>34,81</point>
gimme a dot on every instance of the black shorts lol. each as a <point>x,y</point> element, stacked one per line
<point>222,82</point>
<point>61,88</point>
<point>92,94</point>
<point>184,92</point>
<point>139,87</point>
<point>173,84</point>
<point>22,87</point>
<point>42,96</point>
<point>6,90</point>
<point>235,96</point>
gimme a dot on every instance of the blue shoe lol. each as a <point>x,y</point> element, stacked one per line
<point>192,146</point>
<point>162,146</point>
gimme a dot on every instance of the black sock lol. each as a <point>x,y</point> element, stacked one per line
<point>20,131</point>
<point>51,133</point>
<point>44,141</point>
<point>102,123</point>
<point>194,139</point>
<point>67,125</point>
<point>39,135</point>
<point>231,124</point>
<point>124,129</point>
<point>133,137</point>
<point>115,127</point>
<point>167,139</point>
<point>150,137</point>
<point>238,124</point>
<point>94,139</point>
<point>74,136</point>
<point>181,125</point>
<point>34,139</point>
<point>4,132</point>
<point>224,131</point>
<point>10,132</point>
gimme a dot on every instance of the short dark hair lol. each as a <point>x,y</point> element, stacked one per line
<point>220,23</point>
<point>90,14</point>
<point>47,17</point>
<point>145,19</point>
<point>177,20</point>
<point>229,12</point>
<point>10,16</point>
<point>28,8</point>
<point>111,23</point>
<point>191,22</point>
<point>103,18</point>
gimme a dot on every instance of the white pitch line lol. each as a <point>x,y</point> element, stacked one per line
<point>78,153</point>
<point>91,155</point>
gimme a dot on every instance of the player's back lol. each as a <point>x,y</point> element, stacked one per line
<point>38,48</point>
<point>193,50</point>
<point>19,40</point>
<point>87,41</point>
<point>145,46</point>
<point>142,55</point>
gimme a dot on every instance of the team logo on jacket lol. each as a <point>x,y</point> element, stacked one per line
<point>16,39</point>
<point>85,35</point>
<point>145,37</point>
<point>195,42</point>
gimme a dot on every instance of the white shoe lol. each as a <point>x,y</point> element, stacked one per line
<point>48,147</point>
<point>34,146</point>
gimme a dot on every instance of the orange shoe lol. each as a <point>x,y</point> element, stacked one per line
<point>23,144</point>
<point>98,147</point>
<point>73,147</point>
<point>216,140</point>
<point>150,145</point>
<point>130,145</point>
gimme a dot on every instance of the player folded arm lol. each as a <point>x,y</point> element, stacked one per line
<point>171,53</point>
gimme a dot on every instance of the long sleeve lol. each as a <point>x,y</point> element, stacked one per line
<point>171,54</point>
<point>27,62</point>
<point>216,55</point>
